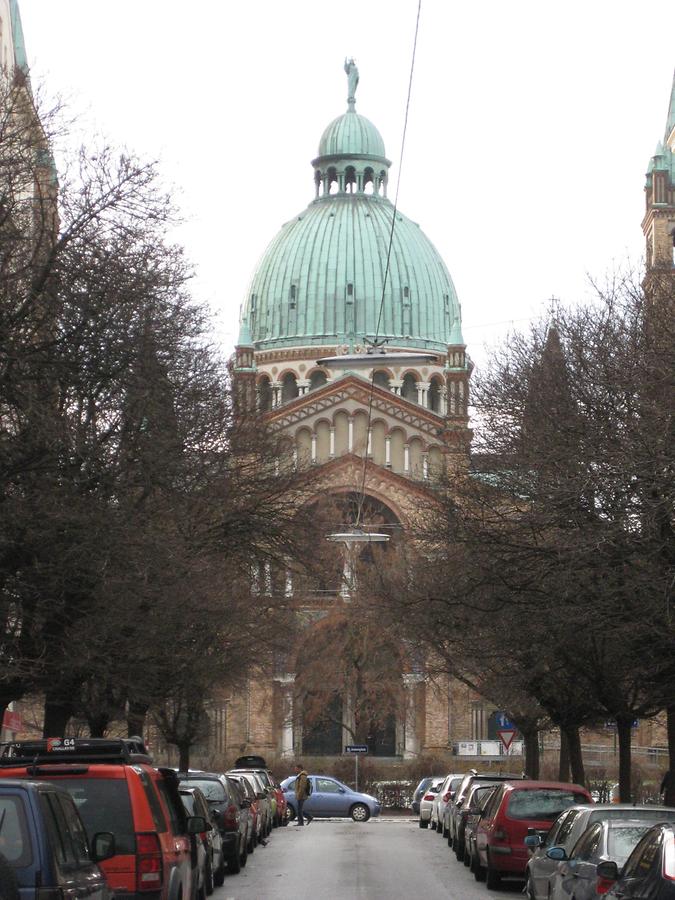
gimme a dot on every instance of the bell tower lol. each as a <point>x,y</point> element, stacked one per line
<point>658,224</point>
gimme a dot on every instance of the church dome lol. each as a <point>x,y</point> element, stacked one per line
<point>324,280</point>
<point>351,134</point>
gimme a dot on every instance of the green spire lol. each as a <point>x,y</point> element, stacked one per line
<point>245,339</point>
<point>456,339</point>
<point>670,124</point>
<point>20,58</point>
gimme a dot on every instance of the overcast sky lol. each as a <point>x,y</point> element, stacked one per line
<point>531,125</point>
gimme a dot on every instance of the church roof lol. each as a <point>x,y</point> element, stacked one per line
<point>663,159</point>
<point>324,279</point>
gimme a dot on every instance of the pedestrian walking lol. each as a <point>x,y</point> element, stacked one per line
<point>303,789</point>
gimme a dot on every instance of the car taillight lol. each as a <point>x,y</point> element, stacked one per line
<point>603,885</point>
<point>499,834</point>
<point>148,862</point>
<point>231,817</point>
<point>429,797</point>
<point>446,796</point>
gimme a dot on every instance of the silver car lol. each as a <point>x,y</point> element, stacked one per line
<point>566,831</point>
<point>427,800</point>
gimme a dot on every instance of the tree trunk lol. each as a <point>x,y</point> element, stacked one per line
<point>623,734</point>
<point>575,756</point>
<point>136,714</point>
<point>564,763</point>
<point>57,715</point>
<point>531,738</point>
<point>669,795</point>
<point>183,757</point>
<point>98,725</point>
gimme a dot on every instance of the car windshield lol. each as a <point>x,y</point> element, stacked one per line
<point>103,804</point>
<point>541,803</point>
<point>188,802</point>
<point>14,839</point>
<point>211,789</point>
<point>621,841</point>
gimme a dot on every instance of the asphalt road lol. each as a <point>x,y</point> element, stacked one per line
<point>384,859</point>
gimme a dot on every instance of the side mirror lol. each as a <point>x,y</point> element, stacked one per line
<point>452,796</point>
<point>245,803</point>
<point>103,845</point>
<point>556,853</point>
<point>342,790</point>
<point>533,841</point>
<point>260,796</point>
<point>608,871</point>
<point>196,825</point>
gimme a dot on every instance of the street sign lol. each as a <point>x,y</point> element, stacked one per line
<point>506,736</point>
<point>503,721</point>
<point>356,748</point>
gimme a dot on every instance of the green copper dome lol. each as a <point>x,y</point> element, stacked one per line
<point>351,133</point>
<point>324,280</point>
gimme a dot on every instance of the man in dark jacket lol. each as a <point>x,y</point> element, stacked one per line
<point>302,792</point>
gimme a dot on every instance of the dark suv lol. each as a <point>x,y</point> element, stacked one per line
<point>232,813</point>
<point>117,789</point>
<point>44,843</point>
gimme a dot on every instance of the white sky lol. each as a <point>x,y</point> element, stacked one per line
<point>531,125</point>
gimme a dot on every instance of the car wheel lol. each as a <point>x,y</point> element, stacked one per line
<point>432,825</point>
<point>291,813</point>
<point>251,843</point>
<point>424,823</point>
<point>493,878</point>
<point>208,878</point>
<point>234,864</point>
<point>359,812</point>
<point>219,874</point>
<point>244,855</point>
<point>529,888</point>
<point>459,851</point>
<point>478,870</point>
<point>466,859</point>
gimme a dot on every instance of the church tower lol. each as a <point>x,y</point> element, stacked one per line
<point>347,271</point>
<point>659,221</point>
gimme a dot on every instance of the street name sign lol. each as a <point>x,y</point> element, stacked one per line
<point>356,748</point>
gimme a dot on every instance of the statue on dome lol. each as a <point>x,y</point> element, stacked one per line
<point>352,79</point>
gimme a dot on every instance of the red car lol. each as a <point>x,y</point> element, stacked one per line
<point>515,809</point>
<point>117,789</point>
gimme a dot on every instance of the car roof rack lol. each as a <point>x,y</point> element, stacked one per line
<point>74,750</point>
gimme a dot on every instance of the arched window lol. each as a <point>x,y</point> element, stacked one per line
<point>289,387</point>
<point>350,179</point>
<point>264,394</point>
<point>317,379</point>
<point>434,396</point>
<point>381,379</point>
<point>409,387</point>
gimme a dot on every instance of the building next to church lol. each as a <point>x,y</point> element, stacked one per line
<point>346,271</point>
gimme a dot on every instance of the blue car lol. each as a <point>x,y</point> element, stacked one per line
<point>331,799</point>
<point>44,851</point>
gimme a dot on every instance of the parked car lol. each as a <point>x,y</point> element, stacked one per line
<point>451,814</point>
<point>419,790</point>
<point>566,831</point>
<point>475,808</point>
<point>257,764</point>
<point>330,798</point>
<point>256,815</point>
<point>469,810</point>
<point>649,872</point>
<point>427,800</point>
<point>264,781</point>
<point>226,802</point>
<point>213,863</point>
<point>264,797</point>
<point>116,789</point>
<point>513,809</point>
<point>576,875</point>
<point>445,795</point>
<point>44,843</point>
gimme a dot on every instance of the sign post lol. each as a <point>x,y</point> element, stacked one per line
<point>357,750</point>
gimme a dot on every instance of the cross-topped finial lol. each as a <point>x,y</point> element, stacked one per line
<point>352,80</point>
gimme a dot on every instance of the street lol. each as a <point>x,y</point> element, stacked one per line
<point>379,860</point>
